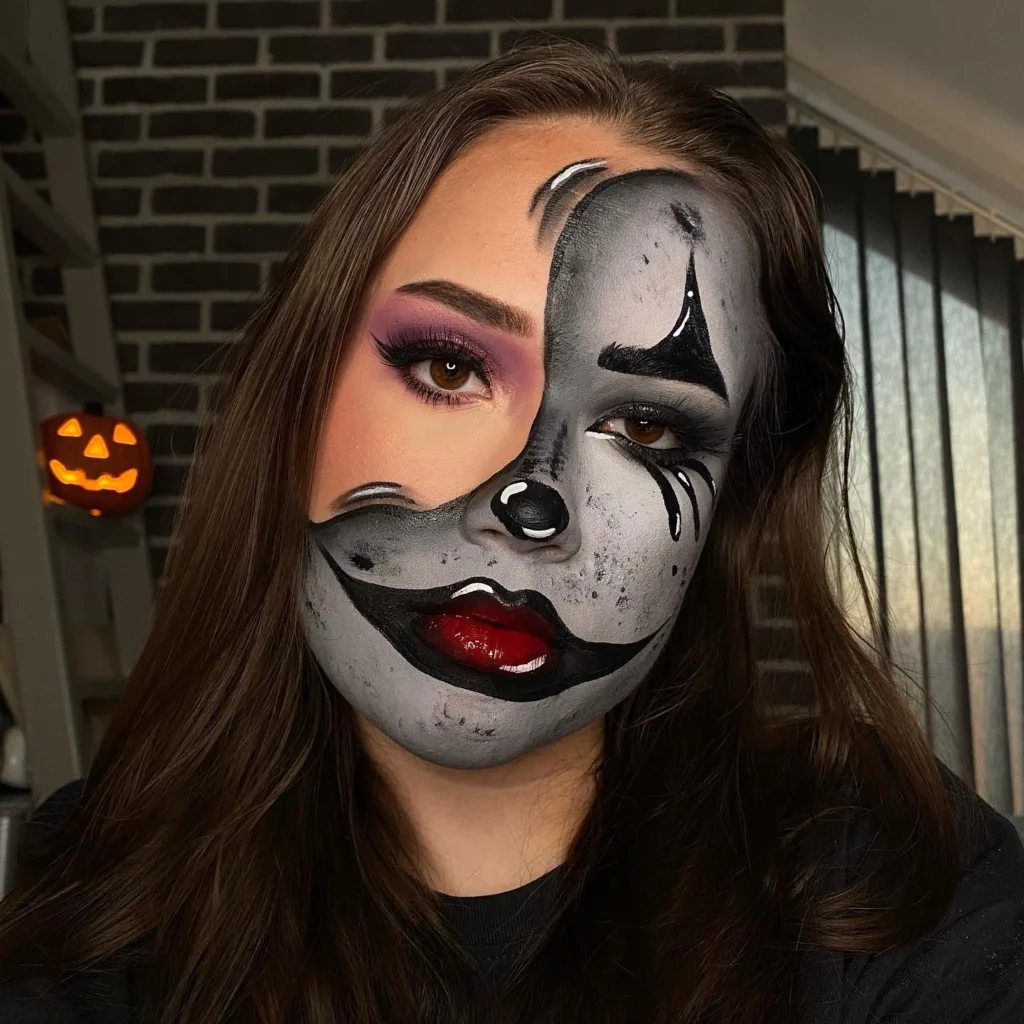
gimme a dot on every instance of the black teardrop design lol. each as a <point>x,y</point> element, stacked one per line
<point>671,504</point>
<point>688,487</point>
<point>705,474</point>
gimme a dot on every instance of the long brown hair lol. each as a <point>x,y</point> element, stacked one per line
<point>234,841</point>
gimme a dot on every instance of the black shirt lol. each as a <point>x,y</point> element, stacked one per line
<point>969,969</point>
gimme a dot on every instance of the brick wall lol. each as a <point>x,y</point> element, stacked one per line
<point>213,127</point>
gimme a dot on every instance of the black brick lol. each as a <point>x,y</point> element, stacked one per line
<point>258,85</point>
<point>187,356</point>
<point>121,279</point>
<point>172,438</point>
<point>621,8</point>
<point>107,53</point>
<point>13,129</point>
<point>269,14</point>
<point>80,19</point>
<point>128,357</point>
<point>339,157</point>
<point>154,315</point>
<point>428,45</point>
<point>146,163</point>
<point>116,202</point>
<point>382,12</point>
<point>217,124</point>
<point>148,16</point>
<point>325,121</point>
<point>496,10</point>
<point>723,74</point>
<point>168,481</point>
<point>31,165</point>
<point>204,199</point>
<point>581,33</point>
<point>229,316</point>
<point>761,37</point>
<point>204,50</point>
<point>112,127</point>
<point>684,38</point>
<point>320,49</point>
<point>380,83</point>
<point>152,89</point>
<point>265,160</point>
<point>152,396</point>
<point>205,276</point>
<point>293,198</point>
<point>234,238</point>
<point>46,309</point>
<point>722,8</point>
<point>152,238</point>
<point>767,109</point>
<point>47,281</point>
<point>86,92</point>
<point>777,642</point>
<point>159,519</point>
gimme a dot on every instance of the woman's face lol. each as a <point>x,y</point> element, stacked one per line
<point>529,429</point>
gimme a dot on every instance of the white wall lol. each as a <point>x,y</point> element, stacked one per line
<point>948,74</point>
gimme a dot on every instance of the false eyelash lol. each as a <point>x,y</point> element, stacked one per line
<point>404,349</point>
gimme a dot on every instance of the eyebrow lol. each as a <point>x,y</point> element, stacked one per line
<point>477,306</point>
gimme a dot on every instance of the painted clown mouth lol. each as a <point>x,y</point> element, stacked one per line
<point>479,636</point>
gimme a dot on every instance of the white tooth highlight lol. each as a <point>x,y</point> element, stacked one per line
<point>527,666</point>
<point>538,534</point>
<point>472,588</point>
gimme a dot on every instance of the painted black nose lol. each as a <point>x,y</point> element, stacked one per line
<point>530,510</point>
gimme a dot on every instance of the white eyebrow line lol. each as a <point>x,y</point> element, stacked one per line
<point>583,165</point>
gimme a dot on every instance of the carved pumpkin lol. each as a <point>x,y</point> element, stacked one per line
<point>98,462</point>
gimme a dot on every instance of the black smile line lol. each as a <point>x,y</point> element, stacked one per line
<point>394,610</point>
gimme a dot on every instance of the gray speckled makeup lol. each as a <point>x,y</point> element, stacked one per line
<point>504,619</point>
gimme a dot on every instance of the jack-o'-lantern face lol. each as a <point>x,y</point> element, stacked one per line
<point>98,462</point>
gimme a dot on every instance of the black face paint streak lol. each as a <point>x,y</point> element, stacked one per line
<point>683,354</point>
<point>361,561</point>
<point>705,474</point>
<point>646,260</point>
<point>557,460</point>
<point>690,220</point>
<point>394,612</point>
<point>669,497</point>
<point>675,569</point>
<point>687,486</point>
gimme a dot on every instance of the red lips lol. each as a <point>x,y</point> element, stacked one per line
<point>479,631</point>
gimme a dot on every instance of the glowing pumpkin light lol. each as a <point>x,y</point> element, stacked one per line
<point>98,462</point>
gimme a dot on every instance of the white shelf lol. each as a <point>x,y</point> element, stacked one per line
<point>26,88</point>
<point>57,366</point>
<point>31,214</point>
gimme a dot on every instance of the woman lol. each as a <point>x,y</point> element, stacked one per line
<point>450,710</point>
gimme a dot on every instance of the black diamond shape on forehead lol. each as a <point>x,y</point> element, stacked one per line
<point>685,353</point>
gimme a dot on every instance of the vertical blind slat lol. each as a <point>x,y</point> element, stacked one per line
<point>995,273</point>
<point>969,443</point>
<point>838,176</point>
<point>895,499</point>
<point>949,718</point>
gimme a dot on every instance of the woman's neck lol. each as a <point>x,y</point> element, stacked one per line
<point>490,830</point>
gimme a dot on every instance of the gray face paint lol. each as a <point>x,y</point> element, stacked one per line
<point>509,617</point>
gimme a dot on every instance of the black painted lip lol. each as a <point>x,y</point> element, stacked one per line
<point>393,610</point>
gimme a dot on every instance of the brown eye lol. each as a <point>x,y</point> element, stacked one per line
<point>450,374</point>
<point>644,431</point>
